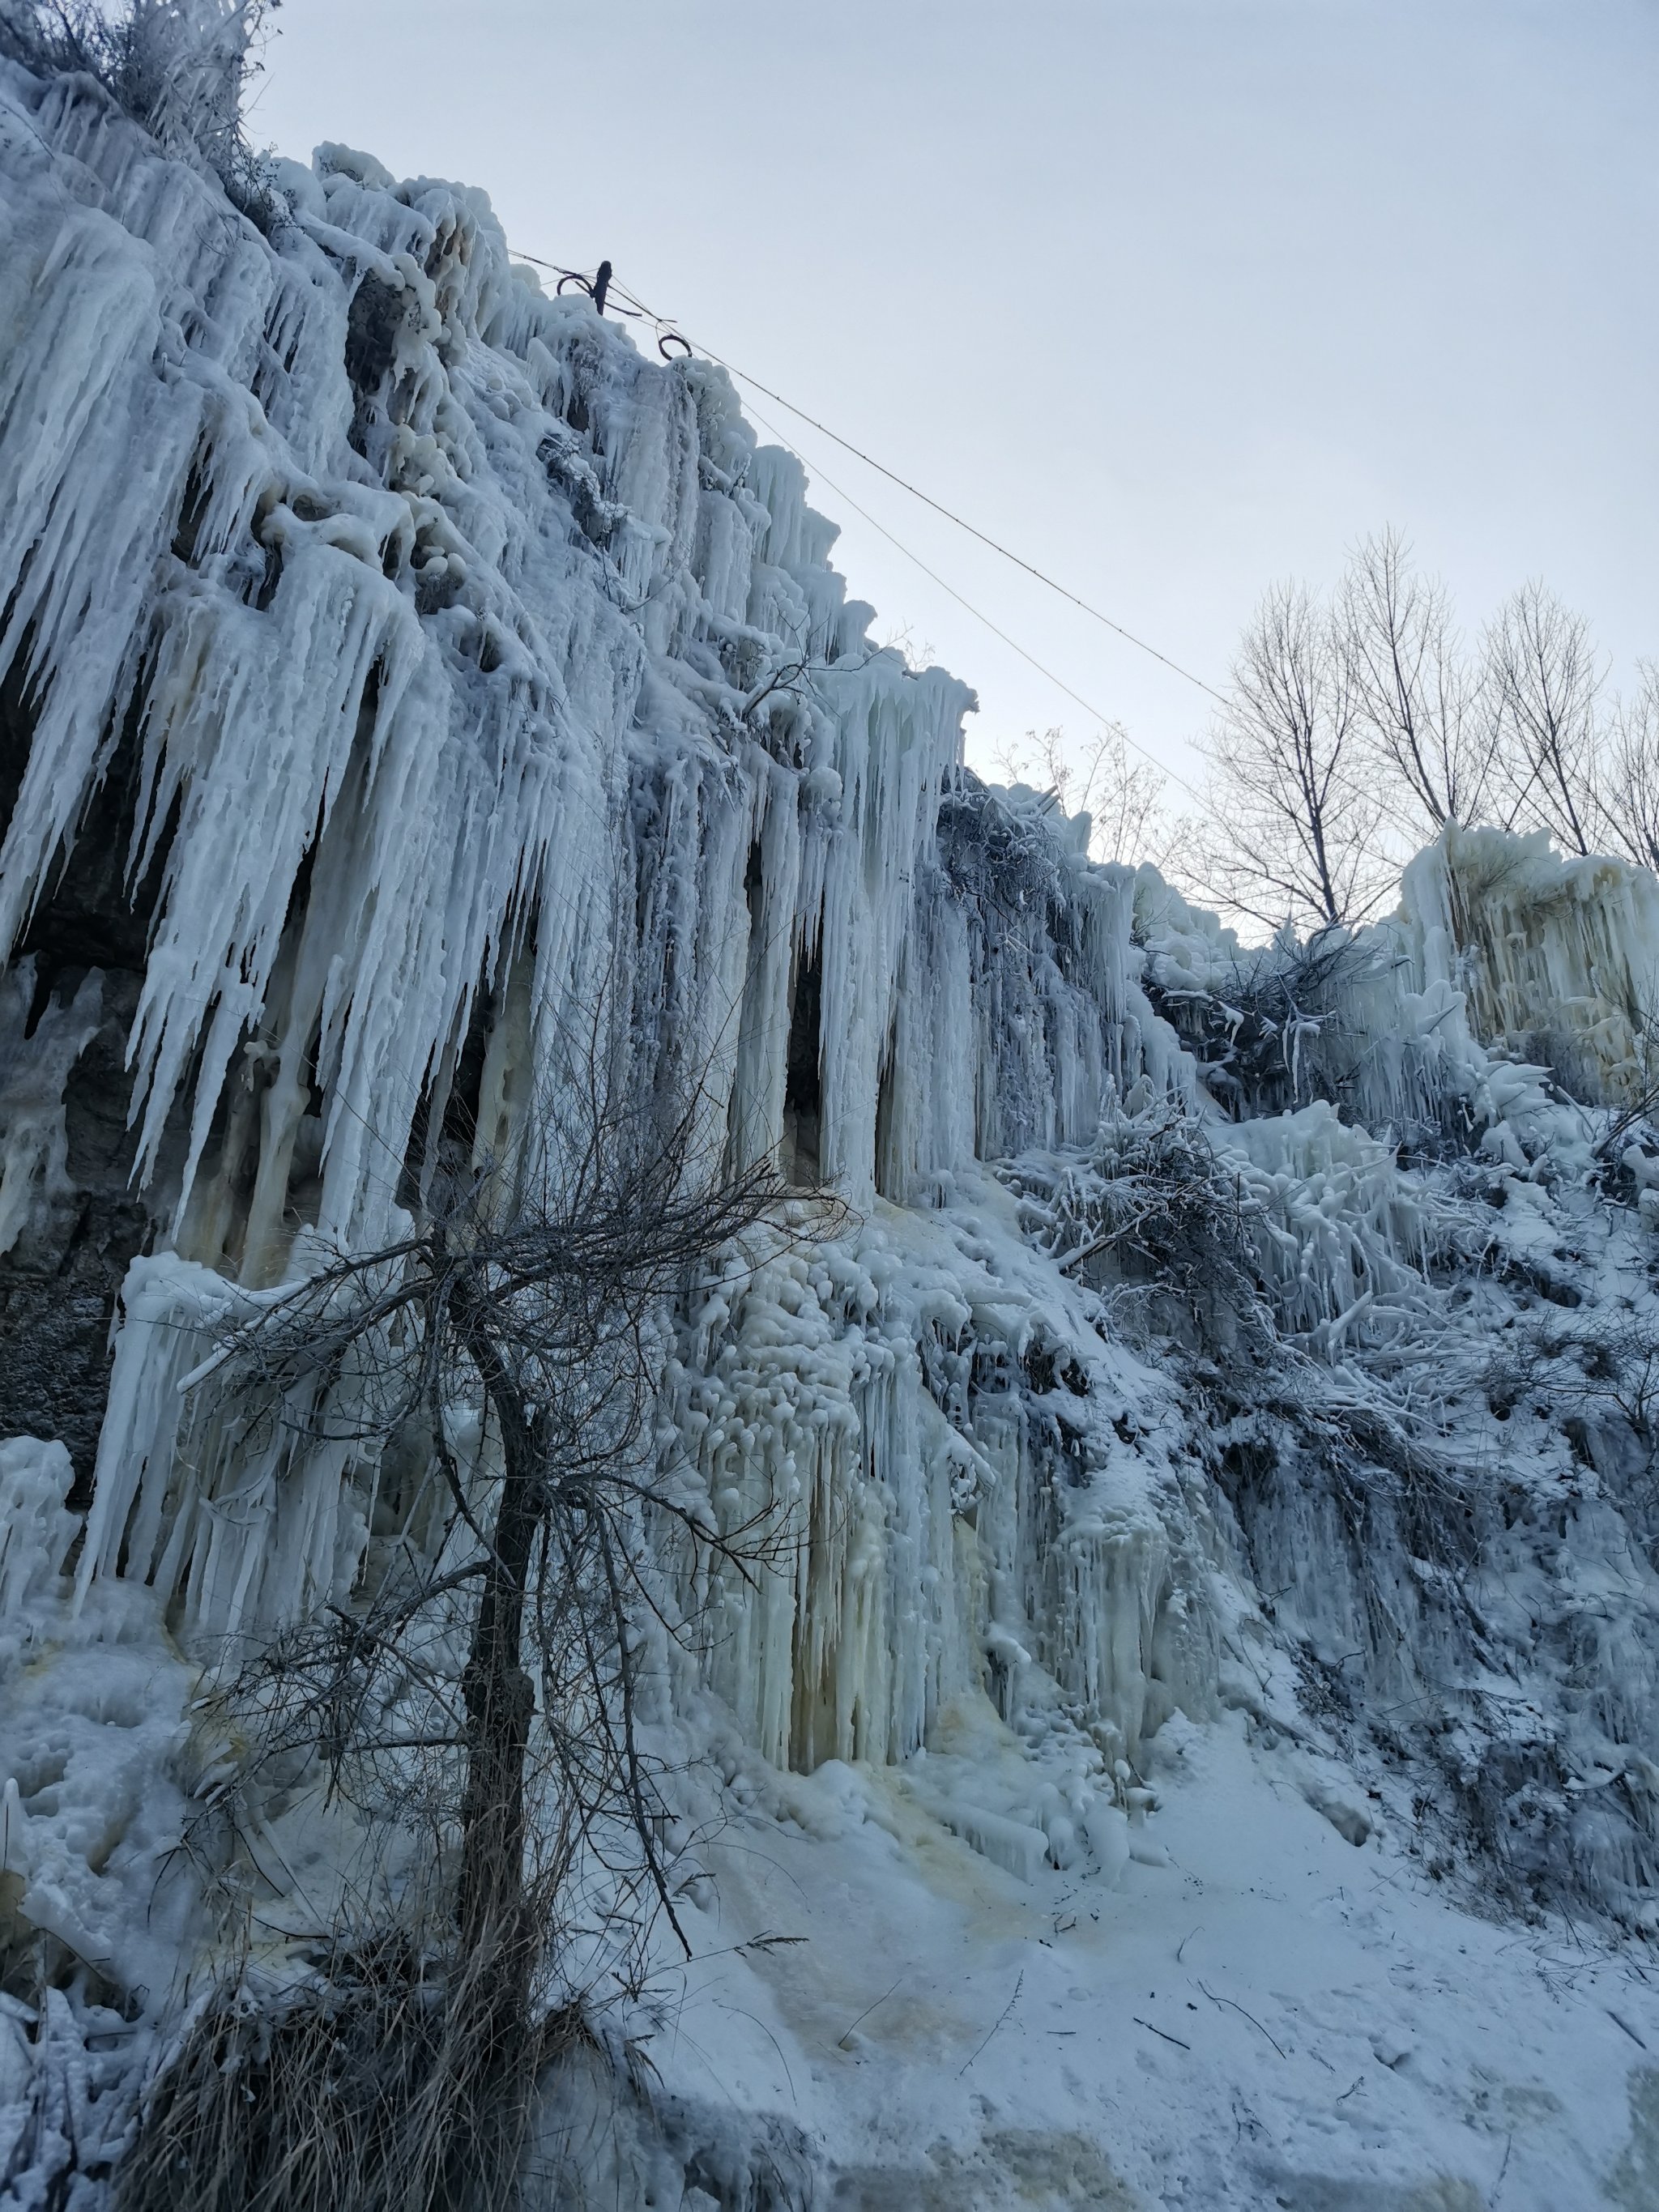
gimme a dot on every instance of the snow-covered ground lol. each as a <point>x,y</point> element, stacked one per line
<point>1256,2012</point>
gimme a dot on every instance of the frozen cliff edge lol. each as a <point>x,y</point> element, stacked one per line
<point>1218,1450</point>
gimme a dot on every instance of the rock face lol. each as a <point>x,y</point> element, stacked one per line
<point>1233,1371</point>
<point>59,1284</point>
<point>72,1219</point>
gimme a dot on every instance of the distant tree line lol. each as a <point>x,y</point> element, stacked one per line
<point>1358,724</point>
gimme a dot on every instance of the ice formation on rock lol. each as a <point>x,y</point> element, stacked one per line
<point>391,659</point>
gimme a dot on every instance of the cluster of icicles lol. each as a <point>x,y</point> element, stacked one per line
<point>432,632</point>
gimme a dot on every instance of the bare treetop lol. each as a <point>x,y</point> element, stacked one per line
<point>1294,834</point>
<point>1545,681</point>
<point>1422,703</point>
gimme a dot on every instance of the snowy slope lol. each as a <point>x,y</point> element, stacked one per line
<point>1199,1732</point>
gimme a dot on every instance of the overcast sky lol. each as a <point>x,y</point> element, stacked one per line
<point>1175,297</point>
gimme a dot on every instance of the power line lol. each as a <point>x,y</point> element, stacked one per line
<point>979,614</point>
<point>1128,636</point>
<point>915,492</point>
<point>640,311</point>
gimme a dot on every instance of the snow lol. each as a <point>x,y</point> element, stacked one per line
<point>1272,2016</point>
<point>1200,1708</point>
<point>1528,933</point>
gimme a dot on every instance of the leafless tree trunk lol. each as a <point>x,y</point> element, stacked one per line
<point>1420,701</point>
<point>1294,824</point>
<point>539,1294</point>
<point>1631,795</point>
<point>1546,682</point>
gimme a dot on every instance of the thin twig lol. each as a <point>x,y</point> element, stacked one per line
<point>1019,1984</point>
<point>1250,2017</point>
<point>841,2041</point>
<point>1625,2025</point>
<point>1508,2145</point>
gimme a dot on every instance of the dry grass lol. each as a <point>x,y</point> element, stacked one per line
<point>391,2081</point>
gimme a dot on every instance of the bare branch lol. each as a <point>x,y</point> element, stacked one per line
<point>1425,710</point>
<point>1629,810</point>
<point>1545,681</point>
<point>1296,830</point>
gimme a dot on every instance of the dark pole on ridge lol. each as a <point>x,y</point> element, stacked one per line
<point>601,285</point>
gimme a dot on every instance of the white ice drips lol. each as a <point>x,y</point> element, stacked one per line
<point>34,1074</point>
<point>469,666</point>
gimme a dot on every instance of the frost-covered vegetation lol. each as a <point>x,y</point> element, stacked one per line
<point>1136,1378</point>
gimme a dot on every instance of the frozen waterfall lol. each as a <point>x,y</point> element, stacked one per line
<point>1220,1346</point>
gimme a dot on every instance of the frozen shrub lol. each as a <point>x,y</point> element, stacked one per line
<point>178,67</point>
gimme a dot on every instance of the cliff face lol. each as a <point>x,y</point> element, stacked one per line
<point>1229,1384</point>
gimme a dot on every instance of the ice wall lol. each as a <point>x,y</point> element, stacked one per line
<point>1559,957</point>
<point>395,663</point>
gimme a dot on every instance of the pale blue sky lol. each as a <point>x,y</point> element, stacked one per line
<point>1175,297</point>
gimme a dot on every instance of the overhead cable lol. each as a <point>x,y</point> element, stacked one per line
<point>668,333</point>
<point>926,499</point>
<point>979,614</point>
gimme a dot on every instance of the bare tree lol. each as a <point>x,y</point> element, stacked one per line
<point>1421,699</point>
<point>1630,808</point>
<point>526,1310</point>
<point>1123,799</point>
<point>1294,826</point>
<point>1544,681</point>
